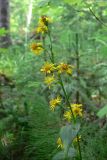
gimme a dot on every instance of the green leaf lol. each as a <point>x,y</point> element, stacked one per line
<point>67,134</point>
<point>61,155</point>
<point>102,112</point>
<point>71,152</point>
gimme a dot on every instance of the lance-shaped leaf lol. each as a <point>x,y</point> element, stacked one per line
<point>67,134</point>
<point>102,112</point>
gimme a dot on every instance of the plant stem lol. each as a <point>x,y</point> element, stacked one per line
<point>66,96</point>
<point>79,148</point>
<point>77,92</point>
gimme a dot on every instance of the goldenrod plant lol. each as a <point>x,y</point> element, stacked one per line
<point>54,74</point>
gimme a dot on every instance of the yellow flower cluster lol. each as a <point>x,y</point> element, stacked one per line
<point>42,29</point>
<point>43,24</point>
<point>59,143</point>
<point>64,68</point>
<point>76,111</point>
<point>55,102</point>
<point>49,80</point>
<point>77,139</point>
<point>48,68</point>
<point>36,48</point>
<point>68,115</point>
<point>44,20</point>
<point>61,68</point>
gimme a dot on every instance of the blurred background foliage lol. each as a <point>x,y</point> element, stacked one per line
<point>28,129</point>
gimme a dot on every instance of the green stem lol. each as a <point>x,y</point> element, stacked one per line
<point>96,17</point>
<point>77,93</point>
<point>66,96</point>
<point>79,147</point>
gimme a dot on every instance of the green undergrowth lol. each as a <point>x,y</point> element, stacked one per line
<point>43,132</point>
<point>94,142</point>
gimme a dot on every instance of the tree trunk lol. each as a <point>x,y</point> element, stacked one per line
<point>4,23</point>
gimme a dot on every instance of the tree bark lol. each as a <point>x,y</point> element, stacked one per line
<point>4,23</point>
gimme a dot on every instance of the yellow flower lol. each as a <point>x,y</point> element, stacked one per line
<point>77,109</point>
<point>49,80</point>
<point>54,102</point>
<point>63,67</point>
<point>59,143</point>
<point>42,29</point>
<point>44,20</point>
<point>76,105</point>
<point>68,115</point>
<point>37,48</point>
<point>48,68</point>
<point>77,139</point>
